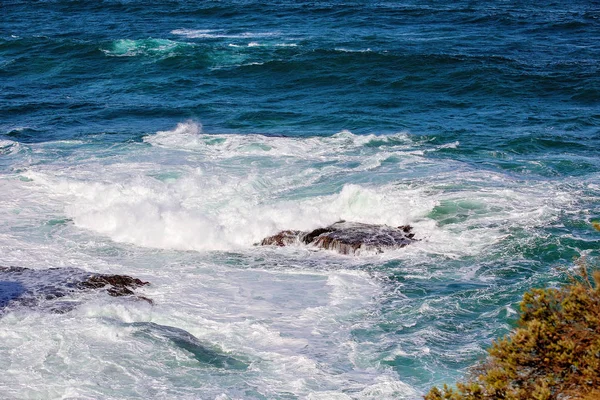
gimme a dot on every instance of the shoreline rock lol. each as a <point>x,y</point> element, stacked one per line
<point>28,287</point>
<point>349,238</point>
<point>118,285</point>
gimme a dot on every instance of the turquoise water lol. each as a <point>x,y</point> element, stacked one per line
<point>163,139</point>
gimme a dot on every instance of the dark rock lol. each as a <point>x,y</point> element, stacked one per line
<point>116,285</point>
<point>99,281</point>
<point>283,238</point>
<point>53,288</point>
<point>347,237</point>
<point>311,236</point>
<point>207,355</point>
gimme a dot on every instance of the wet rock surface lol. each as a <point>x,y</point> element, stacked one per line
<point>53,288</point>
<point>116,285</point>
<point>347,237</point>
<point>206,354</point>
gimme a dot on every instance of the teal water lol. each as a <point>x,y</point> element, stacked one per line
<point>163,139</point>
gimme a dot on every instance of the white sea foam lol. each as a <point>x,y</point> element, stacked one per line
<point>171,215</point>
<point>8,146</point>
<point>216,34</point>
<point>226,192</point>
<point>144,47</point>
<point>99,341</point>
<point>388,388</point>
<point>345,50</point>
<point>189,136</point>
<point>296,317</point>
<point>257,44</point>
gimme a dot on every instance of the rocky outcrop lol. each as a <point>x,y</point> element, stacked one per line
<point>53,288</point>
<point>347,237</point>
<point>115,285</point>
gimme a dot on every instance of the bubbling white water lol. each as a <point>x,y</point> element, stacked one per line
<point>201,192</point>
<point>183,210</point>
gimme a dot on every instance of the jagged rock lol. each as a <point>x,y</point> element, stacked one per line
<point>117,285</point>
<point>283,238</point>
<point>33,288</point>
<point>347,237</point>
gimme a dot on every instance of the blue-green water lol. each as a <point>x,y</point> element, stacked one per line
<point>163,139</point>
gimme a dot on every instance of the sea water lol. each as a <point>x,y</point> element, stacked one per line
<point>163,139</point>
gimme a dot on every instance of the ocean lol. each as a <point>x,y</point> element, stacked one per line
<point>163,139</point>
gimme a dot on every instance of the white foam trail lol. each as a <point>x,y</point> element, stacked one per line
<point>189,136</point>
<point>217,34</point>
<point>345,50</point>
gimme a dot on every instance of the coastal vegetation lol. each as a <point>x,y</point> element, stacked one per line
<point>553,353</point>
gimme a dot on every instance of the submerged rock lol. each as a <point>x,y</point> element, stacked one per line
<point>42,288</point>
<point>206,354</point>
<point>347,237</point>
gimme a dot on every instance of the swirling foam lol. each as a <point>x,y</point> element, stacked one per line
<point>226,192</point>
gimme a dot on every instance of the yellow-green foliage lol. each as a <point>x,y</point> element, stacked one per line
<point>553,354</point>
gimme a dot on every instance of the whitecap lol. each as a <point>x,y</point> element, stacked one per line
<point>219,34</point>
<point>346,50</point>
<point>6,143</point>
<point>144,47</point>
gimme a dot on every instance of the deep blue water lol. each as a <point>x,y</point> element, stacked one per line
<point>502,70</point>
<point>164,138</point>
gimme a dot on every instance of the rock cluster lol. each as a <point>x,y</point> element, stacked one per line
<point>116,285</point>
<point>41,288</point>
<point>347,237</point>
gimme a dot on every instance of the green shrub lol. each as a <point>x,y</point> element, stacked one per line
<point>554,353</point>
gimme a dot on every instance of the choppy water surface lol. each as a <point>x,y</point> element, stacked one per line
<point>476,123</point>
